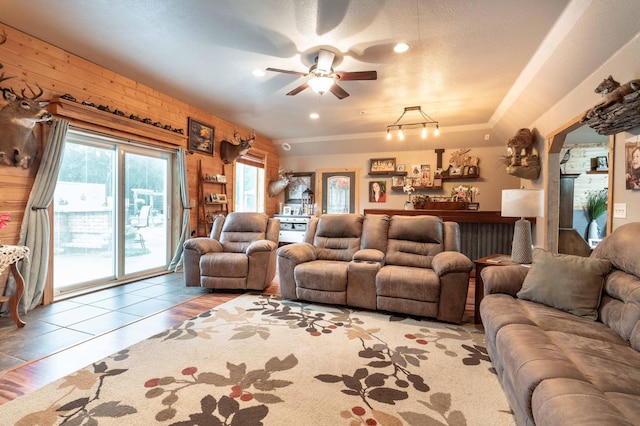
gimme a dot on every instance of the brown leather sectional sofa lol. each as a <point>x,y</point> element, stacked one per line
<point>563,368</point>
<point>405,264</point>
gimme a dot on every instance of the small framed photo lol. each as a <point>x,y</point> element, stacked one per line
<point>602,164</point>
<point>400,168</point>
<point>382,165</point>
<point>455,171</point>
<point>221,178</point>
<point>397,181</point>
<point>286,210</point>
<point>200,137</point>
<point>213,197</point>
<point>437,182</point>
<point>222,198</point>
<point>415,170</point>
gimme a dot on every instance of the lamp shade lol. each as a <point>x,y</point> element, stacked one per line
<point>321,84</point>
<point>522,203</point>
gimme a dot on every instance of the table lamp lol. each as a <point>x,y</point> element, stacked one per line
<point>522,203</point>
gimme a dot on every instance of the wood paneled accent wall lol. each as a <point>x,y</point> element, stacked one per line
<point>35,62</point>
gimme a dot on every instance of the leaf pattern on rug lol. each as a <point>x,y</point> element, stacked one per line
<point>239,380</point>
<point>384,375</point>
<point>85,409</point>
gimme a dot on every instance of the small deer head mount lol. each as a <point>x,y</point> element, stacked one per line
<point>18,143</point>
<point>230,152</point>
<point>277,186</point>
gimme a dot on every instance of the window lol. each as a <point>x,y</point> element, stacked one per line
<point>111,219</point>
<point>249,184</point>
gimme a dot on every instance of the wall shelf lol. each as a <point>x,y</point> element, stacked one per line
<point>74,110</point>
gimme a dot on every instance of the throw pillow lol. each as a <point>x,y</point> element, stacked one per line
<point>570,283</point>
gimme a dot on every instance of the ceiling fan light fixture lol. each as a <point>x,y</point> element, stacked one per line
<point>321,85</point>
<point>425,122</point>
<point>401,47</point>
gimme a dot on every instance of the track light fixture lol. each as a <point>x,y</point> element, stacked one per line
<point>426,122</point>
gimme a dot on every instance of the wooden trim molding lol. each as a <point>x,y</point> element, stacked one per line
<point>87,114</point>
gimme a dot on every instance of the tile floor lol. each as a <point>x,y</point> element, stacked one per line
<point>66,323</point>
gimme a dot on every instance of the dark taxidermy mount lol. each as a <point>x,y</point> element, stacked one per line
<point>619,110</point>
<point>520,159</point>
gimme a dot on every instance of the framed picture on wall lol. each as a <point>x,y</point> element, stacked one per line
<point>298,183</point>
<point>378,191</point>
<point>632,157</point>
<point>382,165</point>
<point>200,137</point>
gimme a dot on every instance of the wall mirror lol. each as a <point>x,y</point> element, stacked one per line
<point>338,190</point>
<point>575,168</point>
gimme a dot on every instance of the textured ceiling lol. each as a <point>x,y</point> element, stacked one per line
<point>478,67</point>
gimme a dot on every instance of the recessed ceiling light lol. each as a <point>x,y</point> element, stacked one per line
<point>258,73</point>
<point>314,116</point>
<point>401,47</point>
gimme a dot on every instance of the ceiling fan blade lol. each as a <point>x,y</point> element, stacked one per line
<point>325,60</point>
<point>302,74</point>
<point>298,89</point>
<point>338,91</point>
<point>358,75</point>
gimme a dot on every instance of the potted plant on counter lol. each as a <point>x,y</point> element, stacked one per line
<point>594,207</point>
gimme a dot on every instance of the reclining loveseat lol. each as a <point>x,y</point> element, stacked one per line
<point>404,264</point>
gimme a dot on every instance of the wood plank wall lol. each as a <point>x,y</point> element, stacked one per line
<point>36,62</point>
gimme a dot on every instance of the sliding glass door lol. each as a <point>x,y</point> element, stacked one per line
<point>111,221</point>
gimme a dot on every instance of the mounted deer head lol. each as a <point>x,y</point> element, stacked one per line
<point>230,152</point>
<point>277,186</point>
<point>18,143</point>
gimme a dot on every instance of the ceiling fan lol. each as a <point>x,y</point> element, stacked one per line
<point>324,79</point>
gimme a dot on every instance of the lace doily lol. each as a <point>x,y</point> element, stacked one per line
<point>12,254</point>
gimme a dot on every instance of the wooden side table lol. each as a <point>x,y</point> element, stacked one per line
<point>10,256</point>
<point>492,260</point>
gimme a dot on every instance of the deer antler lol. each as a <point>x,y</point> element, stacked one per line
<point>240,140</point>
<point>35,95</point>
<point>3,78</point>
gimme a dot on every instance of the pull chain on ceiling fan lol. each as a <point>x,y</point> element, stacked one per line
<point>324,79</point>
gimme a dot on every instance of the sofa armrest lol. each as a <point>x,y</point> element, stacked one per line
<point>447,262</point>
<point>290,256</point>
<point>203,245</point>
<point>298,252</point>
<point>506,279</point>
<point>194,249</point>
<point>369,255</point>
<point>261,246</point>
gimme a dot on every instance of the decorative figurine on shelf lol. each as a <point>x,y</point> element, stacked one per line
<point>408,188</point>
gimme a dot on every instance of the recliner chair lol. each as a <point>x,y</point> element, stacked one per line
<point>240,253</point>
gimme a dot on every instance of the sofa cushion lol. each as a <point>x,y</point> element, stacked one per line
<point>323,275</point>
<point>414,240</point>
<point>570,283</point>
<point>338,236</point>
<point>403,282</point>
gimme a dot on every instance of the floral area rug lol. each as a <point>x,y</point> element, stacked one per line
<point>261,360</point>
